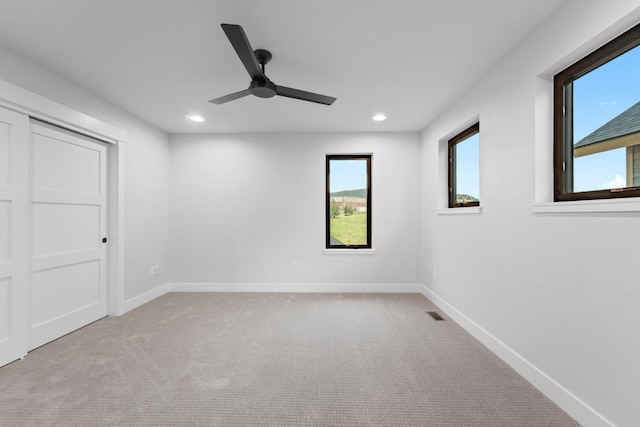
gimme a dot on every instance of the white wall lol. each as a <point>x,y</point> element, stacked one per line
<point>146,169</point>
<point>245,207</point>
<point>562,290</point>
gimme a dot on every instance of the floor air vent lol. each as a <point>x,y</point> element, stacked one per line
<point>435,315</point>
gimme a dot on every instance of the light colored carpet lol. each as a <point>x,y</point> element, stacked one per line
<point>208,359</point>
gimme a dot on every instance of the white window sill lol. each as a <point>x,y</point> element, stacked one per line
<point>349,251</point>
<point>461,211</point>
<point>586,206</point>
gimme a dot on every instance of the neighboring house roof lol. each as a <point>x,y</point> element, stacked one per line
<point>625,123</point>
<point>463,198</point>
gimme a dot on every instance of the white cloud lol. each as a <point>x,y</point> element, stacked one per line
<point>608,103</point>
<point>617,182</point>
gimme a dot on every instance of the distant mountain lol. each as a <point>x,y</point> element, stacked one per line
<point>362,192</point>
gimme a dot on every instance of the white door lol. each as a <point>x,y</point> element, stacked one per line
<point>14,212</point>
<point>68,224</point>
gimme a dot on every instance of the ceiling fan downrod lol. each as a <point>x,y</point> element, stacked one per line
<point>263,56</point>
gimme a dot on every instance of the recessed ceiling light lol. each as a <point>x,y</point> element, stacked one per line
<point>379,117</point>
<point>196,118</point>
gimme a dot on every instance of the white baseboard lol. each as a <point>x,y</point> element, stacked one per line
<point>144,298</point>
<point>562,397</point>
<point>298,287</point>
<point>400,288</point>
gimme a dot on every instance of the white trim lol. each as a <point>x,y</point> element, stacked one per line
<point>562,397</point>
<point>349,251</point>
<point>24,101</point>
<point>116,258</point>
<point>146,297</point>
<point>605,205</point>
<point>298,287</point>
<point>469,210</point>
<point>543,139</point>
<point>365,288</point>
<point>34,105</point>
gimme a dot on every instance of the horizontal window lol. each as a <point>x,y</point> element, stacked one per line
<point>597,123</point>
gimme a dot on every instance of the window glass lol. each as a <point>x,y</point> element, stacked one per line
<point>597,131</point>
<point>348,204</point>
<point>464,168</point>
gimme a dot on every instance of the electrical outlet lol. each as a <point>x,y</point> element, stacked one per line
<point>294,265</point>
<point>154,270</point>
<point>435,273</point>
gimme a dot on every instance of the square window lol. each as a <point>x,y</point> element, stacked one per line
<point>597,123</point>
<point>464,168</point>
<point>348,201</point>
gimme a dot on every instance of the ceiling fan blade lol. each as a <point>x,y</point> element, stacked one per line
<point>231,97</point>
<point>240,43</point>
<point>304,95</point>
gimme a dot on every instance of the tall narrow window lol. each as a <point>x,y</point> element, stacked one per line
<point>348,201</point>
<point>464,168</point>
<point>597,123</point>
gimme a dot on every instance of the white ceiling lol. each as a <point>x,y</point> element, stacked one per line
<point>162,60</point>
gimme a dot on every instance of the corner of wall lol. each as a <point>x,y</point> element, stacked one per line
<point>570,403</point>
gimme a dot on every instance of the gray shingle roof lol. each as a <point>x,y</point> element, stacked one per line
<point>625,123</point>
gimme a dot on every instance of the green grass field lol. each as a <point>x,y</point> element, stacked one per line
<point>351,229</point>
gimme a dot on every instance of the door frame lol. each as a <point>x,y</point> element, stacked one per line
<point>36,106</point>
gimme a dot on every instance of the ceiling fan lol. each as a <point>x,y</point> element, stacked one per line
<point>254,62</point>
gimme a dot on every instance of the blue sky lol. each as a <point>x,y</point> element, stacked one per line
<point>348,175</point>
<point>598,97</point>
<point>468,166</point>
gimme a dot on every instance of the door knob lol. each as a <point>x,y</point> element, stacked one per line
<point>104,240</point>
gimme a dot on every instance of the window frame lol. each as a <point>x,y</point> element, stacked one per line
<point>452,164</point>
<point>329,158</point>
<point>563,119</point>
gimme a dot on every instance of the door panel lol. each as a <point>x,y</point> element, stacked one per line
<point>64,162</point>
<point>64,227</point>
<point>14,175</point>
<point>71,281</point>
<point>68,208</point>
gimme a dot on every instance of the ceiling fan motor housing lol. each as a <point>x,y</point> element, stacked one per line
<point>262,89</point>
